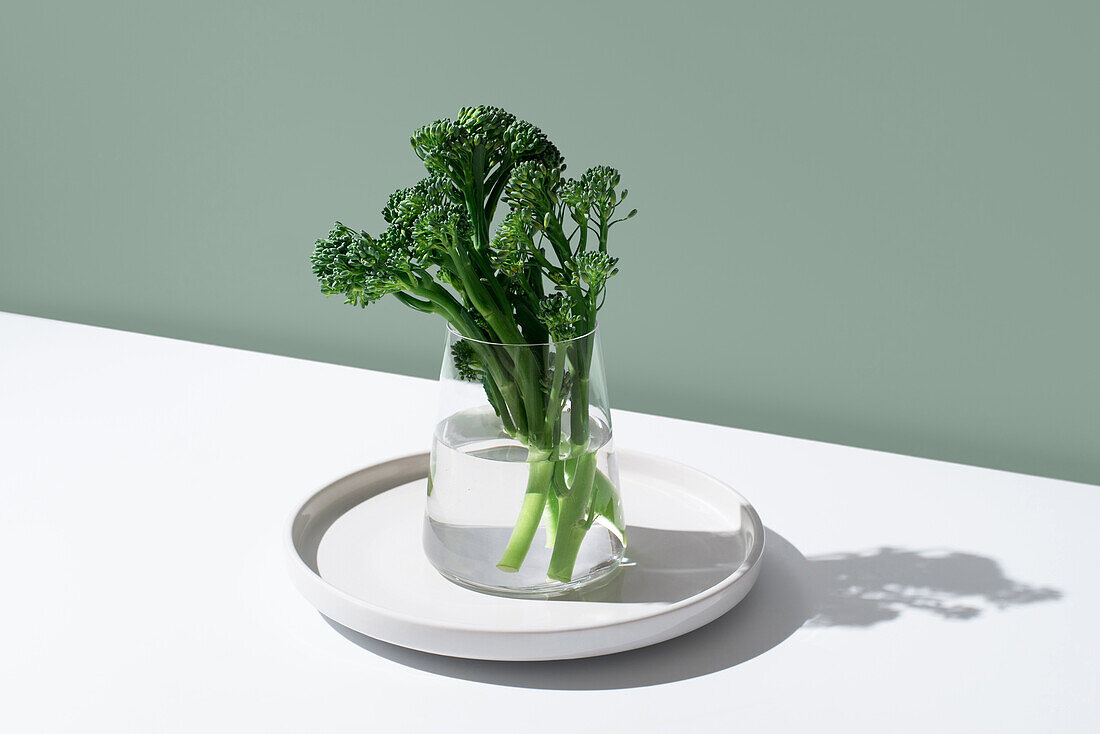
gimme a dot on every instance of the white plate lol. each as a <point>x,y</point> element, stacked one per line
<point>694,549</point>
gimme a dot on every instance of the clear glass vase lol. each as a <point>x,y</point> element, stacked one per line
<point>523,491</point>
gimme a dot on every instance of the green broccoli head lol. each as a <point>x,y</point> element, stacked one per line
<point>424,221</point>
<point>477,140</point>
<point>595,268</point>
<point>364,268</point>
<point>357,266</point>
<point>437,229</point>
<point>558,314</point>
<point>533,190</point>
<point>405,206</point>
<point>512,244</point>
<point>594,193</point>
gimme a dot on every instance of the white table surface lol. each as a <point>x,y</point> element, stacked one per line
<point>146,483</point>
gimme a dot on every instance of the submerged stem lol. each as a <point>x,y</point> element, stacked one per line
<point>540,473</point>
<point>572,511</point>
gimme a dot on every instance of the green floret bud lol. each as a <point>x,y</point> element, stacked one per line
<point>524,140</point>
<point>514,232</point>
<point>359,267</point>
<point>466,362</point>
<point>446,276</point>
<point>577,197</point>
<point>533,187</point>
<point>511,243</point>
<point>485,124</point>
<point>551,157</point>
<point>338,262</point>
<point>436,145</point>
<point>393,204</point>
<point>601,181</point>
<point>391,254</point>
<point>595,268</point>
<point>510,263</point>
<point>406,205</point>
<point>557,314</point>
<point>564,390</point>
<point>438,228</point>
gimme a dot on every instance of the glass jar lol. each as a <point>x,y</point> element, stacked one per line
<point>523,491</point>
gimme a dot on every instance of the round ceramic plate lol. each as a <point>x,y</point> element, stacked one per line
<point>694,549</point>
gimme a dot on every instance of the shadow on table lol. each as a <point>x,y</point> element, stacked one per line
<point>849,590</point>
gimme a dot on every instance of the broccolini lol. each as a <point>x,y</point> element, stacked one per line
<point>539,278</point>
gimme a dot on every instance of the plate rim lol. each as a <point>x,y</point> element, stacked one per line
<point>302,572</point>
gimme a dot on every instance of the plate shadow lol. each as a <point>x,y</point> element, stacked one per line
<point>777,606</point>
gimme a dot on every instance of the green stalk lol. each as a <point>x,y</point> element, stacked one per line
<point>572,527</point>
<point>499,404</point>
<point>606,503</point>
<point>540,474</point>
<point>580,354</point>
<point>578,414</point>
<point>573,508</point>
<point>551,512</point>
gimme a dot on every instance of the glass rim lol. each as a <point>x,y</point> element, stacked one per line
<point>453,332</point>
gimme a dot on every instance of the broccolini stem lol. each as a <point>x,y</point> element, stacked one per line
<point>606,503</point>
<point>497,182</point>
<point>578,414</point>
<point>572,509</point>
<point>551,513</point>
<point>515,403</point>
<point>497,400</point>
<point>605,226</point>
<point>416,303</point>
<point>580,354</point>
<point>534,394</point>
<point>553,400</point>
<point>558,240</point>
<point>540,474</point>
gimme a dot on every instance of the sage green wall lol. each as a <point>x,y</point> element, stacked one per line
<point>872,223</point>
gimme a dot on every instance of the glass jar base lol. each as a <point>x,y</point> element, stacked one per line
<point>594,579</point>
